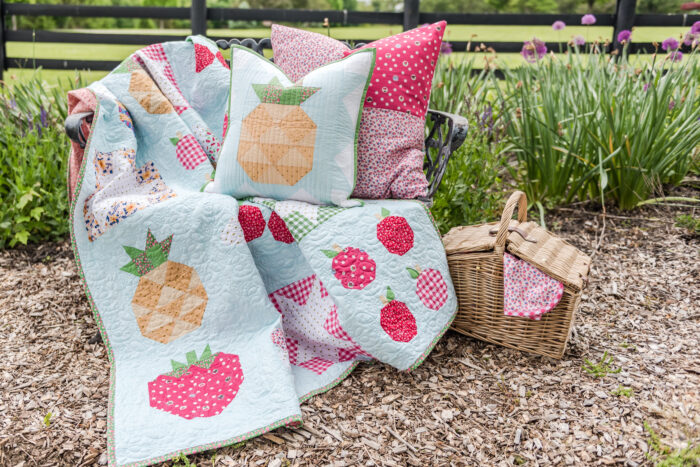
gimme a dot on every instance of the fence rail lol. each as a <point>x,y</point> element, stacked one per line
<point>198,14</point>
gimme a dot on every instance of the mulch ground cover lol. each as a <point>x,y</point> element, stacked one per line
<point>470,403</point>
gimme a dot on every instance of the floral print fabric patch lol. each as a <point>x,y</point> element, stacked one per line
<point>527,291</point>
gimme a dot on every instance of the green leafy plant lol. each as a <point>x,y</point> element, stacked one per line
<point>181,460</point>
<point>34,150</point>
<point>688,222</point>
<point>663,456</point>
<point>590,124</point>
<point>47,419</point>
<point>602,368</point>
<point>622,391</point>
<point>472,188</point>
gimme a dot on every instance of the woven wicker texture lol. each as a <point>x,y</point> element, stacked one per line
<point>475,257</point>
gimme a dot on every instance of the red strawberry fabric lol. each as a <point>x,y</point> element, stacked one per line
<point>203,390</point>
<point>395,233</point>
<point>252,222</point>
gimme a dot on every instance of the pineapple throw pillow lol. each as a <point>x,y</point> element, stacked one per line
<point>289,140</point>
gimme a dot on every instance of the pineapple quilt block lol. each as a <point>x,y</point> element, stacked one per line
<point>221,316</point>
<point>290,140</point>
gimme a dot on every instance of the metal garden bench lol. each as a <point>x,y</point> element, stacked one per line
<point>446,132</point>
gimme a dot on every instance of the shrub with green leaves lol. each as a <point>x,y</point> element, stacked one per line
<point>590,125</point>
<point>472,189</point>
<point>34,151</point>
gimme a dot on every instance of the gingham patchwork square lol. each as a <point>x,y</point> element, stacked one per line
<point>317,364</point>
<point>300,225</point>
<point>293,349</point>
<point>155,52</point>
<point>345,355</point>
<point>332,325</point>
<point>298,291</point>
<point>190,153</point>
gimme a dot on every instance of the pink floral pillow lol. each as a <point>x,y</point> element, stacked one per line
<point>390,143</point>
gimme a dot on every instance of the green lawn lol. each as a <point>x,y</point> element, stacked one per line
<point>454,33</point>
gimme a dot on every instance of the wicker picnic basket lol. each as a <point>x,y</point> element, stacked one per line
<point>475,257</point>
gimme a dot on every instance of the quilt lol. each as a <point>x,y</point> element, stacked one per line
<point>221,316</point>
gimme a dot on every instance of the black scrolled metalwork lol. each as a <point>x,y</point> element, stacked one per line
<point>74,127</point>
<point>446,131</point>
<point>256,45</point>
<point>445,136</point>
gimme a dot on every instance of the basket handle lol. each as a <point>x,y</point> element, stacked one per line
<point>518,198</point>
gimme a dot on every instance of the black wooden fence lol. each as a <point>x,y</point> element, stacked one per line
<point>199,14</point>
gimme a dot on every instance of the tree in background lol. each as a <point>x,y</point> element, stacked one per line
<point>658,6</point>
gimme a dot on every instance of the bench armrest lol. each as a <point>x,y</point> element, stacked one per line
<point>74,127</point>
<point>447,134</point>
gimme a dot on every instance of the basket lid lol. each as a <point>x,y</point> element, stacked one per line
<point>526,240</point>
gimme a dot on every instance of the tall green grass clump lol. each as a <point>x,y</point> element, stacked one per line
<point>594,126</point>
<point>34,151</point>
<point>472,189</point>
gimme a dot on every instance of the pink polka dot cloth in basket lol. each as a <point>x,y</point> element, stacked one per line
<point>528,292</point>
<point>390,141</point>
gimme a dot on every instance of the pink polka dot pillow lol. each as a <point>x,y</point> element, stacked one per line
<point>391,138</point>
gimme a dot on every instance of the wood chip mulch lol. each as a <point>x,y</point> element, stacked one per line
<point>470,403</point>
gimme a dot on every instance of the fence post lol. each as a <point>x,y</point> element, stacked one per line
<point>2,39</point>
<point>198,17</point>
<point>411,11</point>
<point>624,19</point>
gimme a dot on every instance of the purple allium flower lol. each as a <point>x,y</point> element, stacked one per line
<point>695,28</point>
<point>558,25</point>
<point>533,50</point>
<point>579,40</point>
<point>688,38</point>
<point>446,48</point>
<point>669,44</point>
<point>624,35</point>
<point>671,105</point>
<point>646,87</point>
<point>44,118</point>
<point>676,55</point>
<point>487,117</point>
<point>587,20</point>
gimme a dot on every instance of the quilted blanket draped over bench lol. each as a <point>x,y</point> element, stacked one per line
<point>221,315</point>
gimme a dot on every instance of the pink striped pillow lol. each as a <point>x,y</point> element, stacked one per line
<point>390,143</point>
